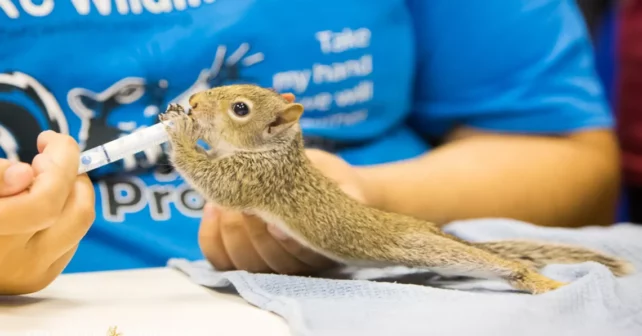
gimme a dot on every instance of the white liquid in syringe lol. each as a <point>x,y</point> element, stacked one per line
<point>127,145</point>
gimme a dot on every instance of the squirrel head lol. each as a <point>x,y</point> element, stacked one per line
<point>245,117</point>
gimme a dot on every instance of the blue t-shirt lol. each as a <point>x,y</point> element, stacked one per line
<point>365,70</point>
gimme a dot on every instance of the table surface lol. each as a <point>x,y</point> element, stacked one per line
<point>150,302</point>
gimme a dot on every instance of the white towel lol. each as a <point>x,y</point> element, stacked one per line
<point>369,302</point>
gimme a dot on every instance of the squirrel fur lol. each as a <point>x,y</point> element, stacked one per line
<point>257,164</point>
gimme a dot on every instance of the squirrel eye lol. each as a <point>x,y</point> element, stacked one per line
<point>240,109</point>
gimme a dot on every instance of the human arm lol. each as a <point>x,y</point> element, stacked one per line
<point>44,213</point>
<point>565,181</point>
<point>535,140</point>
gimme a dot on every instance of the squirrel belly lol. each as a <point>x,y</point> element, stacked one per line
<point>539,254</point>
<point>320,244</point>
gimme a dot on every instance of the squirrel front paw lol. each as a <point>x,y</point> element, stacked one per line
<point>173,112</point>
<point>181,128</point>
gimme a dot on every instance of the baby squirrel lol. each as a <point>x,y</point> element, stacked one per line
<point>257,164</point>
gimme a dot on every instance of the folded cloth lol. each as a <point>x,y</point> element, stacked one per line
<point>400,301</point>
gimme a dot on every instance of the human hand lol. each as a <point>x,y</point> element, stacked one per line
<point>232,240</point>
<point>45,209</point>
<point>15,177</point>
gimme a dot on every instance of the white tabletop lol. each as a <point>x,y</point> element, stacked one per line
<point>150,302</point>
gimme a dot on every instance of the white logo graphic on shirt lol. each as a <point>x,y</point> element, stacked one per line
<point>346,105</point>
<point>213,76</point>
<point>95,108</point>
<point>13,8</point>
<point>19,126</point>
<point>8,144</point>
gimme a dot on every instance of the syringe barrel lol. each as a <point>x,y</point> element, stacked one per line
<point>123,146</point>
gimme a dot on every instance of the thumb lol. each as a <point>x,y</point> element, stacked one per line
<point>15,177</point>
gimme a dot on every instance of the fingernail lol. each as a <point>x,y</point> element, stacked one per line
<point>210,212</point>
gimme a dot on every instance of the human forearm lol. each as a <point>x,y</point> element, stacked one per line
<point>569,181</point>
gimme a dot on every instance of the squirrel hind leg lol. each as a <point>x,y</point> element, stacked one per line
<point>447,256</point>
<point>528,280</point>
<point>539,254</point>
<point>619,267</point>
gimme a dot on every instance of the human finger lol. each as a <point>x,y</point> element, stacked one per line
<point>51,186</point>
<point>75,220</point>
<point>39,274</point>
<point>274,255</point>
<point>238,245</point>
<point>15,177</point>
<point>210,239</point>
<point>314,260</point>
<point>56,268</point>
<point>47,274</point>
<point>40,205</point>
<point>56,168</point>
<point>62,149</point>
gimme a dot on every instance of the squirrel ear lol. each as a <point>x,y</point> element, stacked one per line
<point>292,112</point>
<point>288,116</point>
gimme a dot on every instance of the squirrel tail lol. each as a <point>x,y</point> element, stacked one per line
<point>539,254</point>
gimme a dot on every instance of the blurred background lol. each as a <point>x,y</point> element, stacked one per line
<point>616,30</point>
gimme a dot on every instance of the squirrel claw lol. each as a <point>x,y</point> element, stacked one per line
<point>173,112</point>
<point>183,128</point>
<point>175,107</point>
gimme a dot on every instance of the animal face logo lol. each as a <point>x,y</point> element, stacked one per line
<point>224,70</point>
<point>94,109</point>
<point>26,108</point>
